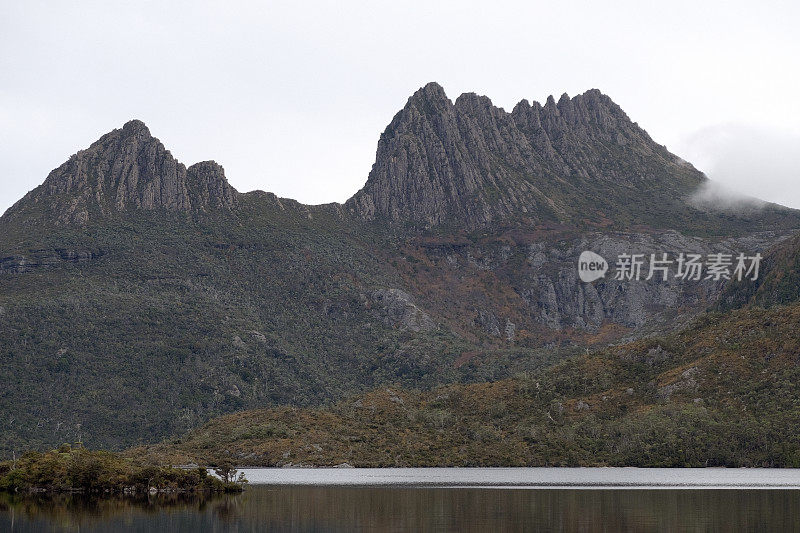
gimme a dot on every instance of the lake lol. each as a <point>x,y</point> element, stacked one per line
<point>445,499</point>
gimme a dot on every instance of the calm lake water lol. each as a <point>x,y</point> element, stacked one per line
<point>516,499</point>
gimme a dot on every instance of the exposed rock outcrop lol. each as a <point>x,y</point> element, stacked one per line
<point>37,259</point>
<point>396,308</point>
<point>127,169</point>
<point>558,298</point>
<point>500,290</point>
<point>208,187</point>
<point>472,164</point>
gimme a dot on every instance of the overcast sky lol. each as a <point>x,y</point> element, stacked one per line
<point>291,97</point>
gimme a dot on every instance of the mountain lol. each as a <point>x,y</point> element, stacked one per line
<point>125,169</point>
<point>579,161</point>
<point>140,298</point>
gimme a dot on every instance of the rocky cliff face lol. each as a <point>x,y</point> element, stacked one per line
<point>526,290</point>
<point>127,169</point>
<point>472,164</point>
<point>557,298</point>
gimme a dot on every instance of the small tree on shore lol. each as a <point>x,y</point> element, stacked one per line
<point>226,471</point>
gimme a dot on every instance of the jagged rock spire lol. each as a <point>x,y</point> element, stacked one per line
<point>470,163</point>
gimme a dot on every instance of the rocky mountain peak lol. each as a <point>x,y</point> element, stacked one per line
<point>431,94</point>
<point>472,164</point>
<point>127,169</point>
<point>207,184</point>
<point>135,127</point>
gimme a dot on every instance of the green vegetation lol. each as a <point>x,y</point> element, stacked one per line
<point>778,282</point>
<point>69,469</point>
<point>174,321</point>
<point>723,392</point>
<point>140,325</point>
<point>177,321</point>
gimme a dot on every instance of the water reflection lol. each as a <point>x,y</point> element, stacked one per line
<point>76,512</point>
<point>293,508</point>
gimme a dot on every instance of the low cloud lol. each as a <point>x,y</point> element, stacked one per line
<point>745,162</point>
<point>713,195</point>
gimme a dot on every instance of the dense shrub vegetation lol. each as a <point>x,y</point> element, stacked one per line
<point>174,321</point>
<point>723,392</point>
<point>69,469</point>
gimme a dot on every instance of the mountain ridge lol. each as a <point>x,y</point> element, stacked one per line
<point>473,163</point>
<point>139,297</point>
<point>462,165</point>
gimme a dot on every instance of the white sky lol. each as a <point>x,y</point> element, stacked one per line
<point>291,97</point>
